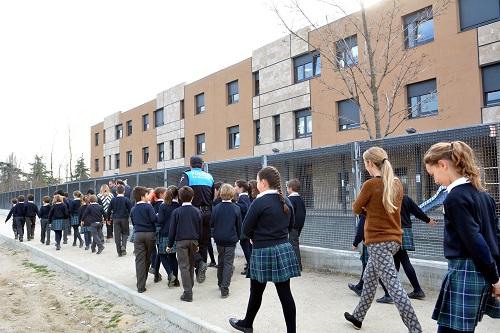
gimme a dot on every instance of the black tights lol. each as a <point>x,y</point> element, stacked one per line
<point>286,299</point>
<point>442,329</point>
<point>401,258</point>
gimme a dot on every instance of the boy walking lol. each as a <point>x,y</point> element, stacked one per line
<point>30,210</point>
<point>226,222</point>
<point>96,215</point>
<point>11,214</point>
<point>119,209</point>
<point>186,228</point>
<point>299,209</point>
<point>43,214</point>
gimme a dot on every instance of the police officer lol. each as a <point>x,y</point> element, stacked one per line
<point>202,184</point>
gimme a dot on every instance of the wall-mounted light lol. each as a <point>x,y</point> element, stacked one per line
<point>275,150</point>
<point>410,130</point>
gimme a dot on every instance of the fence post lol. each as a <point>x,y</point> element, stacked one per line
<point>264,161</point>
<point>165,182</point>
<point>356,171</point>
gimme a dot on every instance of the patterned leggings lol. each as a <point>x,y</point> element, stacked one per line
<point>381,263</point>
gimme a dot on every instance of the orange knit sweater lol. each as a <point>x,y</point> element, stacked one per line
<point>380,226</point>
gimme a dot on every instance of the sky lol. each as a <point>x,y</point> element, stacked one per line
<point>67,64</point>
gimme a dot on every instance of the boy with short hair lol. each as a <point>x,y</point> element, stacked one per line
<point>30,211</point>
<point>97,216</point>
<point>299,209</point>
<point>19,217</point>
<point>43,214</point>
<point>119,209</point>
<point>11,213</point>
<point>186,229</point>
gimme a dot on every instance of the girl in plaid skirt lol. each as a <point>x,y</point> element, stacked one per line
<point>267,223</point>
<point>58,215</point>
<point>471,287</point>
<point>75,221</point>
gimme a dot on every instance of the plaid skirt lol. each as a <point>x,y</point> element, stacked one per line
<point>464,297</point>
<point>74,220</point>
<point>408,244</point>
<point>162,245</point>
<point>58,224</point>
<point>364,255</point>
<point>85,229</point>
<point>276,263</point>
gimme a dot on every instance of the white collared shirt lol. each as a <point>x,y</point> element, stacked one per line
<point>244,193</point>
<point>267,192</point>
<point>187,204</point>
<point>294,194</point>
<point>226,201</point>
<point>459,181</point>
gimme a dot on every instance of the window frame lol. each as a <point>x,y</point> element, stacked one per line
<point>417,19</point>
<point>344,120</point>
<point>200,144</point>
<point>159,122</point>
<point>491,85</point>
<point>306,116</point>
<point>277,128</point>
<point>129,127</point>
<point>129,158</point>
<point>161,152</point>
<point>422,86</point>
<point>96,165</point>
<point>199,103</point>
<point>145,155</point>
<point>119,131</point>
<point>96,139</point>
<point>234,137</point>
<point>344,52</point>
<point>256,83</point>
<point>233,95</point>
<point>172,150</point>
<point>182,110</point>
<point>117,161</point>
<point>310,62</point>
<point>145,122</point>
<point>258,139</point>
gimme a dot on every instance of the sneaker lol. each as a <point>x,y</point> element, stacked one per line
<point>141,290</point>
<point>177,283</point>
<point>385,299</point>
<point>245,270</point>
<point>158,278</point>
<point>186,298</point>
<point>93,250</point>
<point>58,247</point>
<point>74,244</point>
<point>202,270</point>
<point>65,242</point>
<point>47,243</point>
<point>356,323</point>
<point>212,264</point>
<point>42,241</point>
<point>355,289</point>
<point>237,324</point>
<point>224,293</point>
<point>171,279</point>
<point>100,250</point>
<point>81,244</point>
<point>151,270</point>
<point>86,247</point>
<point>417,295</point>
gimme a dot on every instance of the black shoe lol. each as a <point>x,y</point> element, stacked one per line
<point>212,264</point>
<point>385,299</point>
<point>58,247</point>
<point>186,299</point>
<point>124,253</point>
<point>119,254</point>
<point>93,250</point>
<point>237,325</point>
<point>177,283</point>
<point>224,293</point>
<point>65,242</point>
<point>245,270</point>
<point>202,270</point>
<point>151,270</point>
<point>100,250</point>
<point>123,250</point>
<point>417,295</point>
<point>355,289</point>
<point>140,291</point>
<point>21,240</point>
<point>81,244</point>
<point>171,279</point>
<point>356,323</point>
<point>157,278</point>
<point>42,241</point>
<point>47,243</point>
<point>74,243</point>
<point>86,247</point>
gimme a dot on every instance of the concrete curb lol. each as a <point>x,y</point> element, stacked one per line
<point>173,315</point>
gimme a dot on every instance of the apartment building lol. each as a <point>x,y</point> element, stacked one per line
<point>290,94</point>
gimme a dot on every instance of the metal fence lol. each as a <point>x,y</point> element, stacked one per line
<point>331,177</point>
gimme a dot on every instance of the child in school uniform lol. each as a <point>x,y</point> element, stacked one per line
<point>299,211</point>
<point>267,224</point>
<point>97,217</point>
<point>168,260</point>
<point>30,211</point>
<point>471,287</point>
<point>186,229</point>
<point>156,199</point>
<point>58,215</point>
<point>74,206</point>
<point>241,189</point>
<point>19,219</point>
<point>143,219</point>
<point>85,224</point>
<point>119,211</point>
<point>226,223</point>
<point>43,214</point>
<point>11,214</point>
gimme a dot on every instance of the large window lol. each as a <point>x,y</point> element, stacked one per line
<point>277,129</point>
<point>491,84</point>
<point>145,122</point>
<point>303,123</point>
<point>129,158</point>
<point>234,137</point>
<point>256,84</point>
<point>96,139</point>
<point>96,165</point>
<point>159,117</point>
<point>474,13</point>
<point>117,161</point>
<point>232,92</point>
<point>200,144</point>
<point>257,132</point>
<point>348,115</point>
<point>307,66</point>
<point>419,28</point>
<point>161,152</point>
<point>145,155</point>
<point>129,128</point>
<point>200,103</point>
<point>422,99</point>
<point>347,52</point>
<point>119,131</point>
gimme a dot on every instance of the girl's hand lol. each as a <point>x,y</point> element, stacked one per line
<point>495,291</point>
<point>354,247</point>
<point>168,249</point>
<point>432,223</point>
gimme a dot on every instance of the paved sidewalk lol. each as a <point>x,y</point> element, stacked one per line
<point>321,298</point>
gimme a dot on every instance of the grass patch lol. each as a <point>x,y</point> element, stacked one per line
<point>113,321</point>
<point>40,269</point>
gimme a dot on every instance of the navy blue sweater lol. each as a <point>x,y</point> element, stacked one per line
<point>165,217</point>
<point>59,211</point>
<point>226,221</point>
<point>143,217</point>
<point>18,210</point>
<point>30,209</point>
<point>266,223</point>
<point>74,206</point>
<point>186,224</point>
<point>360,231</point>
<point>95,213</point>
<point>244,203</point>
<point>408,206</point>
<point>471,229</point>
<point>11,213</point>
<point>119,207</point>
<point>81,211</point>
<point>43,212</point>
<point>299,210</point>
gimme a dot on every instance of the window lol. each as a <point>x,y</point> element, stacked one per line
<point>347,52</point>
<point>256,84</point>
<point>183,147</point>
<point>182,108</point>
<point>348,115</point>
<point>232,92</point>
<point>129,158</point>
<point>104,136</point>
<point>200,144</point>
<point>307,66</point>
<point>419,28</point>
<point>96,165</point>
<point>96,139</point>
<point>117,161</point>
<point>145,122</point>
<point>145,155</point>
<point>473,15</point>
<point>257,132</point>
<point>159,117</point>
<point>234,137</point>
<point>109,162</point>
<point>303,123</point>
<point>491,85</point>
<point>161,152</point>
<point>171,149</point>
<point>200,103</point>
<point>422,99</point>
<point>119,131</point>
<point>277,133</point>
<point>104,163</point>
<point>129,128</point>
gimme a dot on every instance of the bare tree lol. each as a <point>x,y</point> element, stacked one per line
<point>378,77</point>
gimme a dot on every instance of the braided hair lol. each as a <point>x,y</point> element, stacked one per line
<point>272,176</point>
